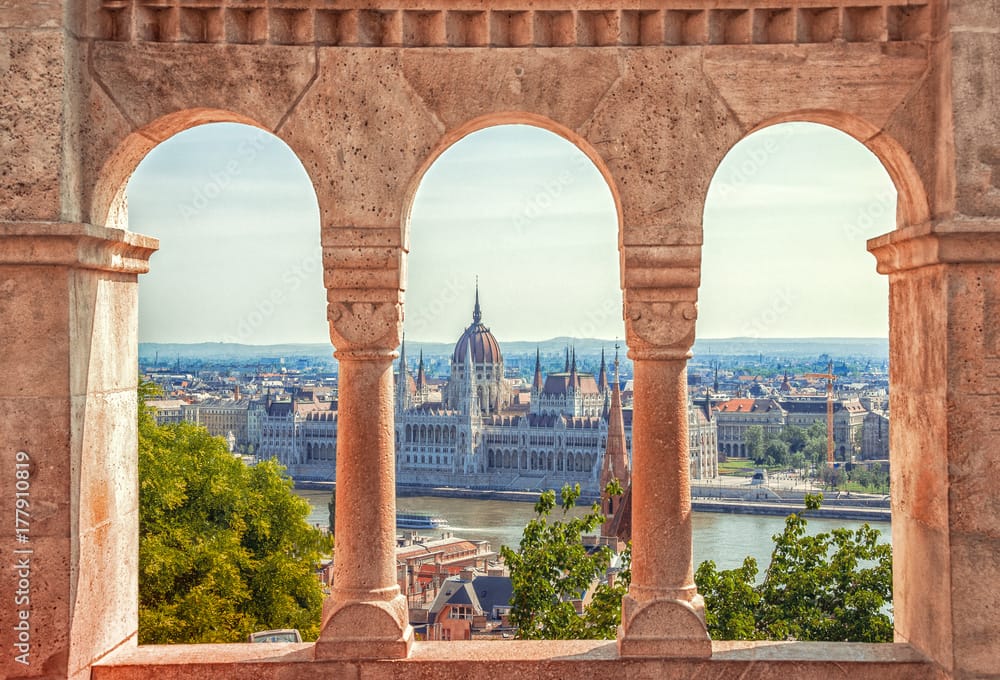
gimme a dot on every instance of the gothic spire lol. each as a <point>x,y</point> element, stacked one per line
<point>470,381</point>
<point>566,367</point>
<point>615,455</point>
<point>477,314</point>
<point>537,383</point>
<point>420,371</point>
<point>602,376</point>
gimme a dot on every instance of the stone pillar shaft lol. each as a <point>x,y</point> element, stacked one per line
<point>661,489</point>
<point>366,616</point>
<point>70,513</point>
<point>662,614</point>
<point>363,568</point>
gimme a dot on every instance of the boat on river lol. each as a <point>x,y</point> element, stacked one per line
<point>419,520</point>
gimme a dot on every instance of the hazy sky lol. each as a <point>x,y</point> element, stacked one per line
<point>786,221</point>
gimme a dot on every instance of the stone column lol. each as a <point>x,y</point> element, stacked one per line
<point>366,615</point>
<point>69,512</point>
<point>944,391</point>
<point>662,614</point>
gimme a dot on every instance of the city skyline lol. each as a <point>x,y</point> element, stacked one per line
<point>551,227</point>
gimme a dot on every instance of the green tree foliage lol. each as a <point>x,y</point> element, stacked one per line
<point>552,568</point>
<point>224,549</point>
<point>832,586</point>
<point>753,437</point>
<point>795,437</point>
<point>815,449</point>
<point>776,452</point>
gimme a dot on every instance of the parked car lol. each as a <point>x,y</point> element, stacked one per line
<point>283,635</point>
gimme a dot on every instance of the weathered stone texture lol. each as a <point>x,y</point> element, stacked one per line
<point>661,133</point>
<point>32,309</point>
<point>31,124</point>
<point>31,13</point>
<point>976,82</point>
<point>564,86</point>
<point>368,96</point>
<point>361,133</point>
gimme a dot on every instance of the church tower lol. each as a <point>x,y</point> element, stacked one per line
<point>404,399</point>
<point>537,383</point>
<point>615,464</point>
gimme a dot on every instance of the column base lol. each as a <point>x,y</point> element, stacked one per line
<point>664,628</point>
<point>365,630</point>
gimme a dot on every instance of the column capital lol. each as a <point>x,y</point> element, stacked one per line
<point>660,323</point>
<point>76,244</point>
<point>951,241</point>
<point>365,325</point>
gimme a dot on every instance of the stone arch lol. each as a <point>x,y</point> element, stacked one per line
<point>913,205</point>
<point>494,119</point>
<point>107,206</point>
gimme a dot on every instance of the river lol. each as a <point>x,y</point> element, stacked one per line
<point>726,539</point>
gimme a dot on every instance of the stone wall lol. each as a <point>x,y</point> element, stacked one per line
<point>368,95</point>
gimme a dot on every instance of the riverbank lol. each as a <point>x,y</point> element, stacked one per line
<point>862,509</point>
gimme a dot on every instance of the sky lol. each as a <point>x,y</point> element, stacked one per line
<point>527,214</point>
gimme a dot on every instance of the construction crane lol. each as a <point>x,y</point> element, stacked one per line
<point>829,377</point>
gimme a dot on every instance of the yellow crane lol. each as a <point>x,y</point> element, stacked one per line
<point>829,377</point>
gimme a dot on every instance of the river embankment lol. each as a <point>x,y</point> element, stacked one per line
<point>760,500</point>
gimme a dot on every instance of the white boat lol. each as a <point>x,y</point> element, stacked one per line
<point>419,520</point>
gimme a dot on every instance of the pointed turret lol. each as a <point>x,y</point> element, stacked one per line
<point>566,367</point>
<point>572,386</point>
<point>615,464</point>
<point>403,400</point>
<point>420,372</point>
<point>537,383</point>
<point>602,376</point>
<point>477,314</point>
<point>472,397</point>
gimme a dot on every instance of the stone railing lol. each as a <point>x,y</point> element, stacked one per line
<point>448,24</point>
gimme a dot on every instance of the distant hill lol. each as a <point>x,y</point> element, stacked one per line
<point>874,348</point>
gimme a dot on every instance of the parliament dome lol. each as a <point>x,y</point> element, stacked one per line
<point>478,341</point>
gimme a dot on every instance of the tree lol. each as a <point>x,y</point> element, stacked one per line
<point>815,448</point>
<point>224,549</point>
<point>552,568</point>
<point>795,437</point>
<point>753,437</point>
<point>776,452</point>
<point>834,586</point>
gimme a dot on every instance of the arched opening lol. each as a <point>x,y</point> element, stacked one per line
<point>500,213</point>
<point>239,271</point>
<point>788,296</point>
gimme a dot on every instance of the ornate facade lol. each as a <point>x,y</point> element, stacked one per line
<point>482,435</point>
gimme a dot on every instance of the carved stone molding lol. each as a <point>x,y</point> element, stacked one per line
<point>364,329</point>
<point>664,627</point>
<point>516,24</point>
<point>76,245</point>
<point>365,630</point>
<point>660,329</point>
<point>963,241</point>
